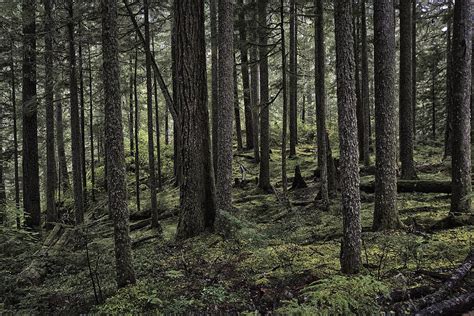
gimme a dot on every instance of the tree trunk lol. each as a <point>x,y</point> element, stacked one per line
<point>151,145</point>
<point>385,213</point>
<point>254,81</point>
<point>320,89</point>
<point>137,128</point>
<point>76,146</point>
<point>448,134</point>
<point>433,100</point>
<point>238,127</point>
<point>413,65</point>
<point>117,191</point>
<point>31,194</point>
<point>461,140</point>
<point>91,126</point>
<point>293,68</point>
<point>131,122</point>
<point>264,176</point>
<point>63,182</point>
<point>3,196</point>
<point>405,94</point>
<point>349,161</point>
<point>359,104</point>
<point>15,138</point>
<point>213,7</point>
<point>197,192</point>
<point>284,178</point>
<point>365,98</point>
<point>157,120</point>
<point>51,213</point>
<point>83,118</point>
<point>225,105</point>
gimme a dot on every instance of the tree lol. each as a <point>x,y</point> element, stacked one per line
<point>197,192</point>
<point>83,117</point>
<point>3,193</point>
<point>213,11</point>
<point>63,183</point>
<point>449,93</point>
<point>284,178</point>
<point>225,104</point>
<point>238,127</point>
<point>254,80</point>
<point>385,214</point>
<point>320,74</point>
<point>15,136</point>
<point>293,68</point>
<point>91,126</point>
<point>76,146</point>
<point>151,145</point>
<point>406,94</point>
<point>413,64</point>
<point>349,157</point>
<point>365,98</point>
<point>51,213</point>
<point>461,94</point>
<point>31,194</point>
<point>264,175</point>
<point>117,188</point>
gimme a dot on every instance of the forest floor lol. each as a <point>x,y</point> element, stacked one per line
<point>271,258</point>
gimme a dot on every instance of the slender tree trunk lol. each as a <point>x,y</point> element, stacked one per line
<point>264,177</point>
<point>385,214</point>
<point>284,178</point>
<point>197,192</point>
<point>137,128</point>
<point>238,127</point>
<point>303,110</point>
<point>75,122</point>
<point>349,157</point>
<point>320,74</point>
<point>359,104</point>
<point>3,193</point>
<point>157,120</point>
<point>15,138</point>
<point>255,81</point>
<point>31,194</point>
<point>433,100</point>
<point>51,213</point>
<point>91,126</point>
<point>449,88</point>
<point>151,146</point>
<point>117,191</point>
<point>461,141</point>
<point>413,65</point>
<point>63,173</point>
<point>214,80</point>
<point>245,75</point>
<point>83,118</point>
<point>365,98</point>
<point>405,94</point>
<point>131,121</point>
<point>293,67</point>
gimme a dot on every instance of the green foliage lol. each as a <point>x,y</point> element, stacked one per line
<point>338,295</point>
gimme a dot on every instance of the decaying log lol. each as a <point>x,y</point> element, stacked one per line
<point>453,306</point>
<point>408,186</point>
<point>140,224</point>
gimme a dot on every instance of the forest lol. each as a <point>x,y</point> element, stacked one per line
<point>254,157</point>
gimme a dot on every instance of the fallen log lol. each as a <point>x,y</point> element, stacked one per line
<point>456,305</point>
<point>142,240</point>
<point>140,224</point>
<point>409,186</point>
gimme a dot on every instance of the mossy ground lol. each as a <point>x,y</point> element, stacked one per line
<point>276,259</point>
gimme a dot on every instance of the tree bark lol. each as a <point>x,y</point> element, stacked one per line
<point>349,151</point>
<point>238,127</point>
<point>137,128</point>
<point>31,194</point>
<point>448,134</point>
<point>284,178</point>
<point>213,8</point>
<point>406,94</point>
<point>117,188</point>
<point>254,80</point>
<point>293,68</point>
<point>83,118</point>
<point>365,97</point>
<point>15,137</point>
<point>157,120</point>
<point>197,192</point>
<point>413,65</point>
<point>63,182</point>
<point>385,212</point>
<point>91,126</point>
<point>461,141</point>
<point>131,122</point>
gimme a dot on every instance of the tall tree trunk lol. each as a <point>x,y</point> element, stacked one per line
<point>15,137</point>
<point>151,146</point>
<point>349,161</point>
<point>284,178</point>
<point>238,127</point>
<point>75,122</point>
<point>320,92</point>
<point>83,118</point>
<point>413,64</point>
<point>51,213</point>
<point>243,46</point>
<point>91,125</point>
<point>117,191</point>
<point>385,213</point>
<point>157,120</point>
<point>433,100</point>
<point>225,105</point>
<point>461,140</point>
<point>31,194</point>
<point>264,176</point>
<point>137,129</point>
<point>197,191</point>
<point>63,182</point>
<point>359,104</point>
<point>214,79</point>
<point>449,92</point>
<point>293,67</point>
<point>405,94</point>
<point>254,81</point>
<point>131,122</point>
<point>3,193</point>
<point>365,98</point>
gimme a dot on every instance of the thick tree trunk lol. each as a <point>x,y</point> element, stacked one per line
<point>76,146</point>
<point>385,213</point>
<point>293,91</point>
<point>255,81</point>
<point>31,194</point>
<point>225,105</point>
<point>365,98</point>
<point>405,94</point>
<point>117,190</point>
<point>243,46</point>
<point>51,213</point>
<point>197,192</point>
<point>264,175</point>
<point>349,152</point>
<point>320,89</point>
<point>461,140</point>
<point>151,145</point>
